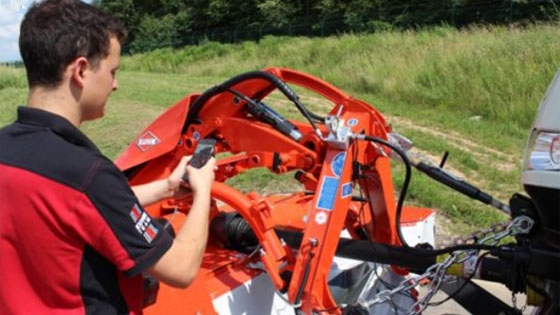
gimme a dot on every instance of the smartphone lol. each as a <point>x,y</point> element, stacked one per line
<point>203,152</point>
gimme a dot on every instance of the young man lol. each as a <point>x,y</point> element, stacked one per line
<point>71,229</point>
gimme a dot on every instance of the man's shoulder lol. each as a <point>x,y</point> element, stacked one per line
<point>105,175</point>
<point>39,150</point>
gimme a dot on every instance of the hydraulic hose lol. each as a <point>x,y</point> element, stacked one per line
<point>281,85</point>
<point>406,182</point>
<point>269,116</point>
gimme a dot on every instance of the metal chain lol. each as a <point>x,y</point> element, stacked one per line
<point>479,235</point>
<point>437,272</point>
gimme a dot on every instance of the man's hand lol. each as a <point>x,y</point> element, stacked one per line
<point>179,265</point>
<point>200,181</point>
<point>175,181</point>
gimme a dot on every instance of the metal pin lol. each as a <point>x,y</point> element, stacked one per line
<point>314,242</point>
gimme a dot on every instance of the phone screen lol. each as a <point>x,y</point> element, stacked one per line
<point>204,150</point>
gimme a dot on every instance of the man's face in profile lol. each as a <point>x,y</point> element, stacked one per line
<point>100,83</point>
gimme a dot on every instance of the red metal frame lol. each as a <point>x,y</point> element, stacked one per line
<point>255,144</point>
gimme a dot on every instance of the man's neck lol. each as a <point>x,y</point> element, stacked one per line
<point>55,101</point>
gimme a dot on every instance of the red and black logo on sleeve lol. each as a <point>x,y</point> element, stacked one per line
<point>72,235</point>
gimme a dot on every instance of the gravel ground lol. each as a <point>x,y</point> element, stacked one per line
<point>446,231</point>
<point>453,308</point>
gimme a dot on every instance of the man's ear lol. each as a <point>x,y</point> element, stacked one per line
<point>78,71</point>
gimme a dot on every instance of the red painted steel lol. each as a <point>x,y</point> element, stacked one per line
<point>258,145</point>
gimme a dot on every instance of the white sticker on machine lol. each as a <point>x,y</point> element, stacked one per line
<point>321,217</point>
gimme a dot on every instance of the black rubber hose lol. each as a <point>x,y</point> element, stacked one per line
<point>281,85</point>
<point>304,279</point>
<point>406,182</point>
<point>268,116</point>
<point>316,117</point>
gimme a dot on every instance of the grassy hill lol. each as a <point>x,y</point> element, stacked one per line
<point>497,73</point>
<point>472,92</point>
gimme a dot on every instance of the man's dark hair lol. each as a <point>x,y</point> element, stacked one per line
<point>55,32</point>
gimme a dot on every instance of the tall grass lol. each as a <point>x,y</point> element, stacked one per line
<point>497,73</point>
<point>12,77</point>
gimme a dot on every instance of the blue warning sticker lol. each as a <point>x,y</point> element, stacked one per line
<point>327,195</point>
<point>338,163</point>
<point>346,190</point>
<point>352,122</point>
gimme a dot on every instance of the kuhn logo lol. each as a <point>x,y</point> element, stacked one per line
<point>147,141</point>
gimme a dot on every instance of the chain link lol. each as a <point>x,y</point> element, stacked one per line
<point>478,236</point>
<point>437,272</point>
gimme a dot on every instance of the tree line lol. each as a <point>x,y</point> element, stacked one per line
<point>154,24</point>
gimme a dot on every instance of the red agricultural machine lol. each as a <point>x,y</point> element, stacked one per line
<point>342,244</point>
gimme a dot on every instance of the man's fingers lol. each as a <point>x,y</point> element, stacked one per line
<point>185,159</point>
<point>212,162</point>
<point>181,167</point>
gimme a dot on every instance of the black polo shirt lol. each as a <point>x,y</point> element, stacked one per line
<point>73,238</point>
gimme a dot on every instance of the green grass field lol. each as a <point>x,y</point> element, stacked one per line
<point>497,73</point>
<point>473,93</point>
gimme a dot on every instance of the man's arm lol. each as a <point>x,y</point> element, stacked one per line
<point>160,189</point>
<point>179,265</point>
